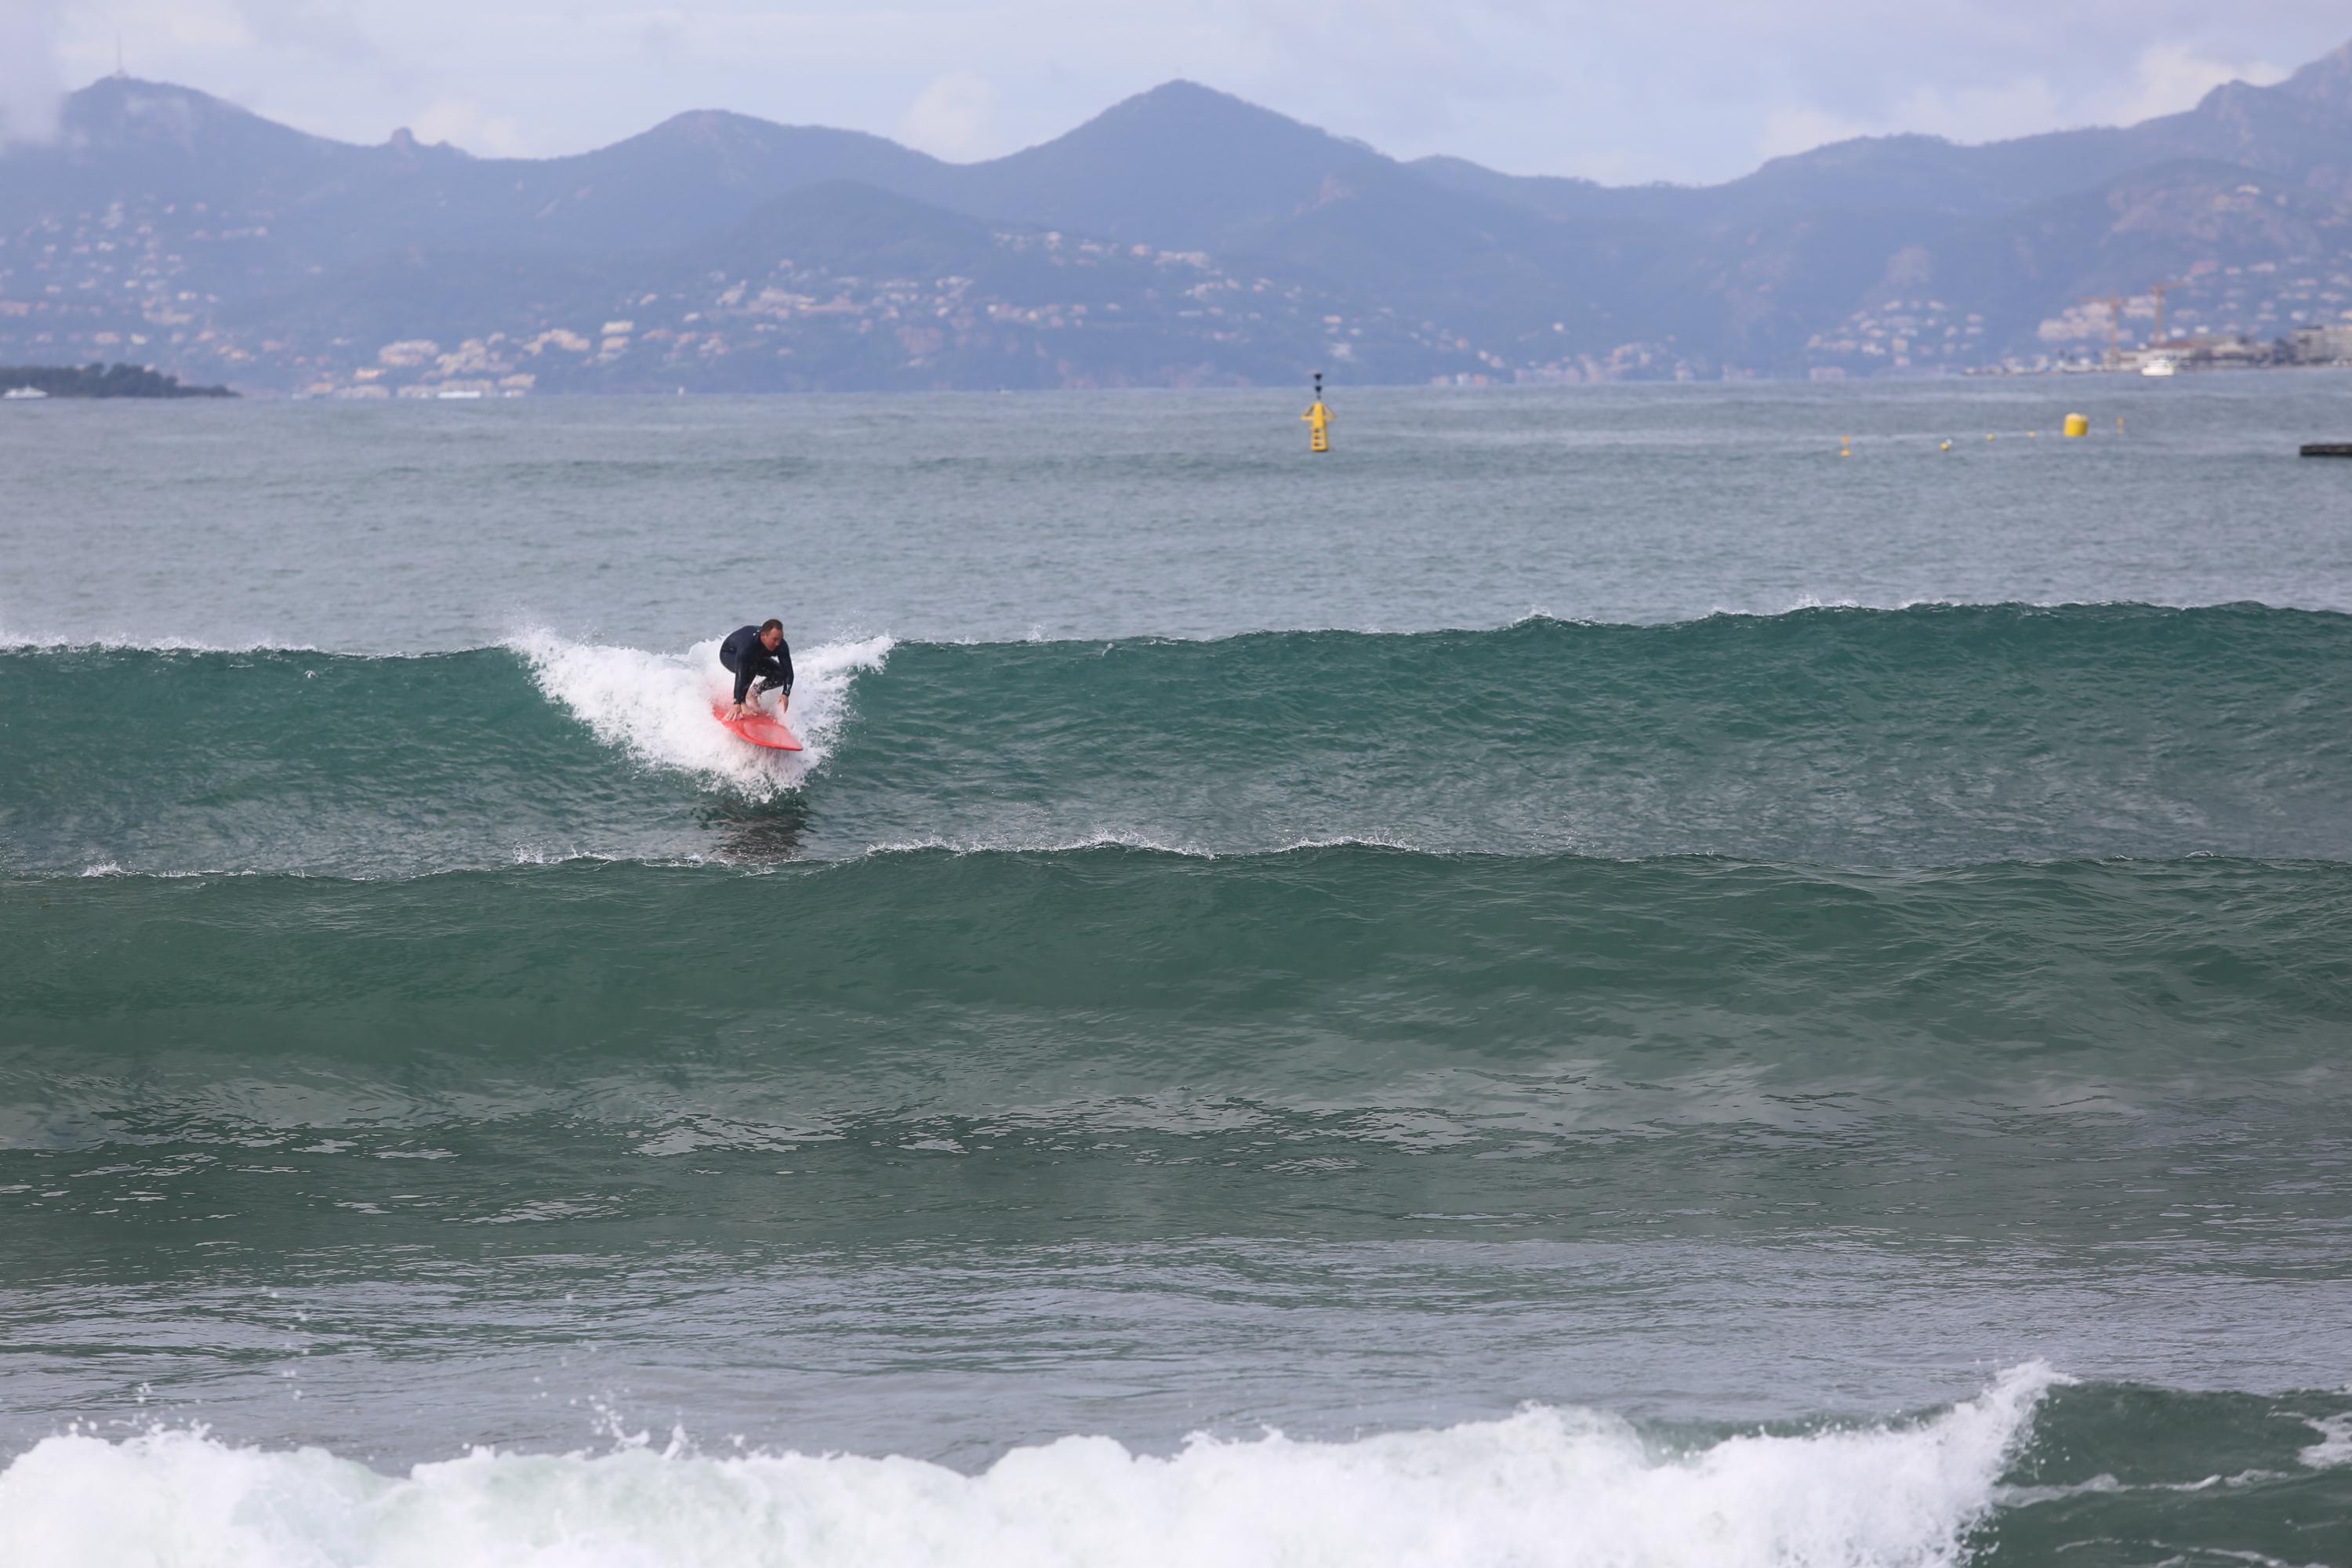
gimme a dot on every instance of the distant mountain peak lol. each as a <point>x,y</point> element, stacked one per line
<point>725,128</point>
<point>407,152</point>
<point>2325,81</point>
<point>1182,121</point>
<point>710,126</point>
<point>124,111</point>
<point>1189,104</point>
<point>126,101</point>
<point>1185,91</point>
<point>1183,166</point>
<point>112,90</point>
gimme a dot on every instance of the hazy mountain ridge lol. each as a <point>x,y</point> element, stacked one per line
<point>1181,235</point>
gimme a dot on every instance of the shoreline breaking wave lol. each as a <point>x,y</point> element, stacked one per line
<point>1553,1487</point>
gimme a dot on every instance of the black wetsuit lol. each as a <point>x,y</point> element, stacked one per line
<point>744,654</point>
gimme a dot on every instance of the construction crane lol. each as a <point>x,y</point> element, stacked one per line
<point>2115,304</point>
<point>2160,291</point>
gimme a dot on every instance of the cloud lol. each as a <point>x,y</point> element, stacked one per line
<point>461,122</point>
<point>30,81</point>
<point>1800,130</point>
<point>2167,79</point>
<point>328,29</point>
<point>1983,111</point>
<point>1990,111</point>
<point>952,118</point>
<point>2174,77</point>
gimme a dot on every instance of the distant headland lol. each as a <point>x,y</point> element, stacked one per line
<point>96,381</point>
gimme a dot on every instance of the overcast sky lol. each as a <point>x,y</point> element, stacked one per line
<point>1671,90</point>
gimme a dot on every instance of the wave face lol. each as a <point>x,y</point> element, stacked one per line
<point>1323,1043</point>
<point>283,760</point>
<point>1931,735</point>
<point>1349,1034</point>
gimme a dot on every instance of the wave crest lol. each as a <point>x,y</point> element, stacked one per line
<point>656,706</point>
<point>1561,1487</point>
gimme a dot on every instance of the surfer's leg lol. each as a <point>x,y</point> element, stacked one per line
<point>746,705</point>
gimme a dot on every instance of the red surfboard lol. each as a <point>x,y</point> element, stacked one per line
<point>760,729</point>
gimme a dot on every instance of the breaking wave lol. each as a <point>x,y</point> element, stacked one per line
<point>1935,735</point>
<point>1547,1487</point>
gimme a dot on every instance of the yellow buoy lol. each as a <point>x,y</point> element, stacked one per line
<point>1946,446</point>
<point>1847,451</point>
<point>2078,426</point>
<point>1318,420</point>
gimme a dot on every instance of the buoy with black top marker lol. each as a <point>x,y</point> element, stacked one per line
<point>1318,420</point>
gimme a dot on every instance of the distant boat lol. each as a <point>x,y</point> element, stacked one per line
<point>17,392</point>
<point>457,395</point>
<point>2160,367</point>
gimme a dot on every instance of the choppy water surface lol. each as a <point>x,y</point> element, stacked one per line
<point>1584,980</point>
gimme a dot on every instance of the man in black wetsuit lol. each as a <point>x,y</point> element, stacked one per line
<point>758,653</point>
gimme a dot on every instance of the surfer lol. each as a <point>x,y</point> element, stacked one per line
<point>758,653</point>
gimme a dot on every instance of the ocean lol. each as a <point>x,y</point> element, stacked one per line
<point>1582,981</point>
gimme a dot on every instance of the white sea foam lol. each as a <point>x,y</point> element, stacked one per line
<point>1012,844</point>
<point>1106,839</point>
<point>1545,1487</point>
<point>657,705</point>
<point>37,642</point>
<point>2334,1448</point>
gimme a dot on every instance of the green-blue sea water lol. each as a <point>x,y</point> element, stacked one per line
<point>1584,980</point>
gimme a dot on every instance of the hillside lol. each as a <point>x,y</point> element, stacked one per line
<point>1179,238</point>
<point>96,381</point>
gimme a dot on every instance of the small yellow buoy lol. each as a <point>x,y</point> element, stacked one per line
<point>2077,427</point>
<point>2120,424</point>
<point>1847,449</point>
<point>1318,420</point>
<point>1946,446</point>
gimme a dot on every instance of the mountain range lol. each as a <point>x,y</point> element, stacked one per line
<point>1182,236</point>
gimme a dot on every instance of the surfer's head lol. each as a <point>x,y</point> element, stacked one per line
<point>771,635</point>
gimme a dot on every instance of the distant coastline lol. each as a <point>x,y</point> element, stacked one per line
<point>1182,238</point>
<point>96,381</point>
